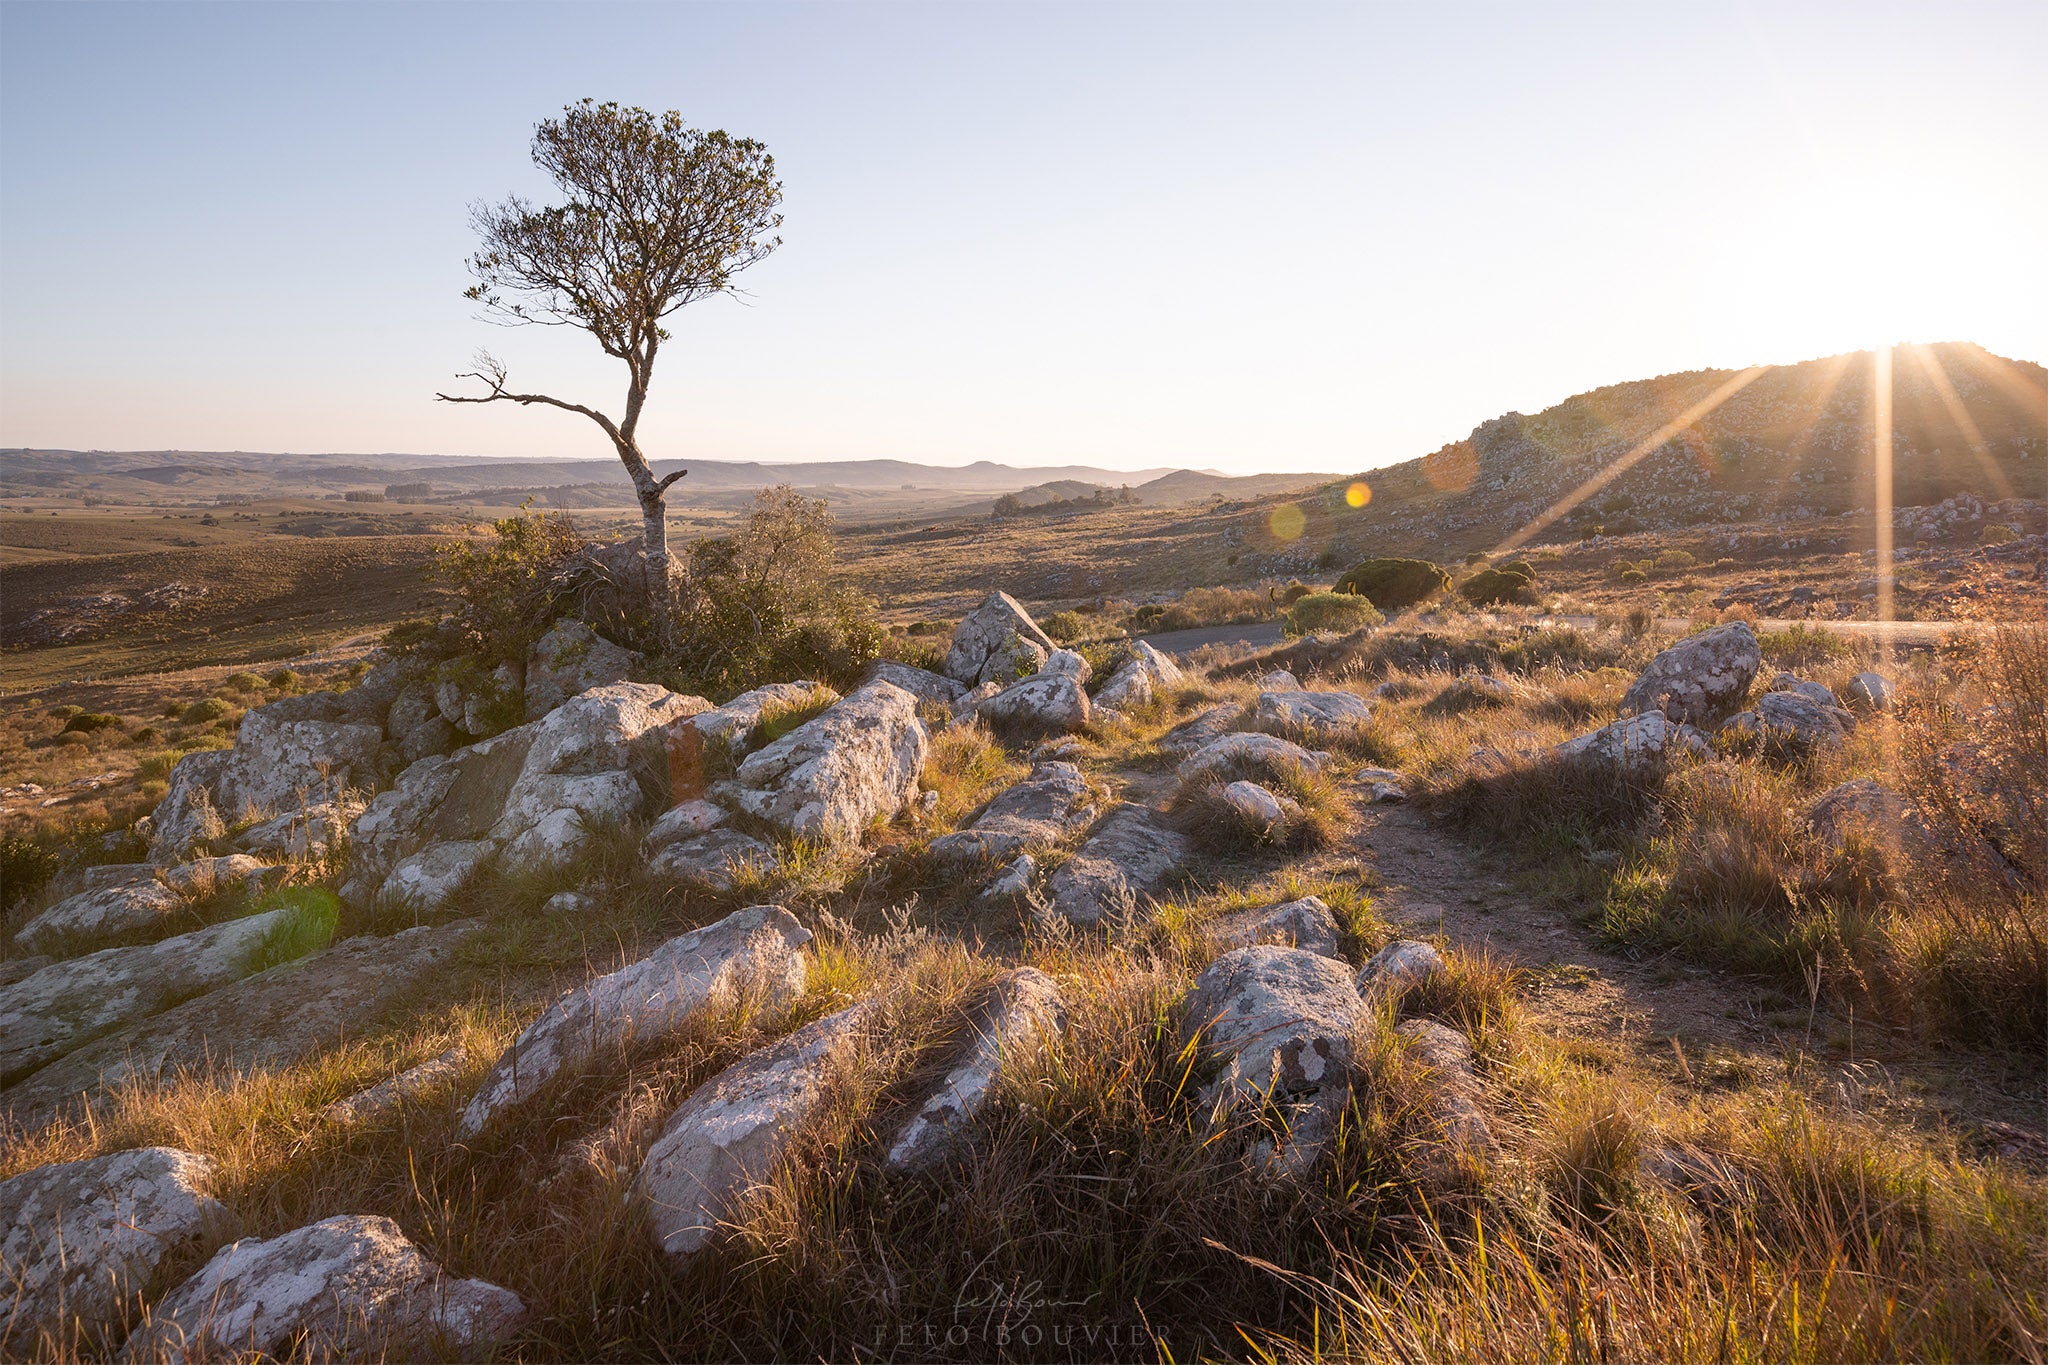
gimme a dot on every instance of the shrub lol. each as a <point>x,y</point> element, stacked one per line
<point>172,710</point>
<point>1064,626</point>
<point>1497,587</point>
<point>1676,559</point>
<point>508,591</point>
<point>1394,584</point>
<point>1998,533</point>
<point>25,868</point>
<point>204,710</point>
<point>242,682</point>
<point>1332,611</point>
<point>148,734</point>
<point>1633,578</point>
<point>87,722</point>
<point>1801,646</point>
<point>285,680</point>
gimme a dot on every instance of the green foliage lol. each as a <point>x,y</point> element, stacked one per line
<point>25,868</point>
<point>1331,611</point>
<point>307,928</point>
<point>1064,627</point>
<point>1394,584</point>
<point>1633,578</point>
<point>204,710</point>
<point>762,606</point>
<point>508,591</point>
<point>285,680</point>
<point>86,722</point>
<point>1672,560</point>
<point>1496,587</point>
<point>242,682</point>
<point>148,734</point>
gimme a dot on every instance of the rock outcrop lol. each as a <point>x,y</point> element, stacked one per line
<point>1277,1021</point>
<point>1023,1012</point>
<point>1130,856</point>
<point>1145,673</point>
<point>1306,924</point>
<point>380,1102</point>
<point>1040,810</point>
<point>1199,731</point>
<point>1042,704</point>
<point>997,642</point>
<point>1311,716</point>
<point>1637,740</point>
<point>569,660</point>
<point>84,1239</point>
<point>834,775</point>
<point>926,686</point>
<point>1247,755</point>
<point>304,833</point>
<point>1455,1095</point>
<point>749,951</point>
<point>1701,679</point>
<point>1789,723</point>
<point>98,915</point>
<point>351,1286</point>
<point>733,726</point>
<point>732,1130</point>
<point>1399,967</point>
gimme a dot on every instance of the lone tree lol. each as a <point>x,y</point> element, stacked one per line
<point>656,216</point>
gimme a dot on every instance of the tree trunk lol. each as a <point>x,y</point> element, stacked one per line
<point>654,530</point>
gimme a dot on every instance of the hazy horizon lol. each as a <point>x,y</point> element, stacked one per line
<point>1316,239</point>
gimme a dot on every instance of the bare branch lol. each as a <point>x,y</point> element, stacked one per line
<point>662,487</point>
<point>491,371</point>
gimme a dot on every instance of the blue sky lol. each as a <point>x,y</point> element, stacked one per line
<point>1240,237</point>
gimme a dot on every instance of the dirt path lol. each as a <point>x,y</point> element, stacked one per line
<point>1692,1025</point>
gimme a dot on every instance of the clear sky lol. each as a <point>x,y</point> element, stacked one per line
<point>1248,237</point>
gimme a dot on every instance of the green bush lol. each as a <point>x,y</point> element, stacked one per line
<point>1633,578</point>
<point>507,592</point>
<point>1064,627</point>
<point>1675,559</point>
<point>86,722</point>
<point>242,682</point>
<point>25,868</point>
<point>1495,587</point>
<point>1997,533</point>
<point>148,734</point>
<point>1331,611</point>
<point>1394,584</point>
<point>204,710</point>
<point>284,680</point>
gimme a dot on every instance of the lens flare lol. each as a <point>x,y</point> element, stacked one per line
<point>1359,494</point>
<point>1287,522</point>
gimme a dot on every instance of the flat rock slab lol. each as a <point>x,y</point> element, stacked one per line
<point>1311,715</point>
<point>755,949</point>
<point>83,1240</point>
<point>1230,757</point>
<point>1306,923</point>
<point>714,859</point>
<point>1635,741</point>
<point>98,915</point>
<point>271,1019</point>
<point>730,1133</point>
<point>386,1098</point>
<point>1278,1020</point>
<point>70,1003</point>
<point>1052,801</point>
<point>1024,1010</point>
<point>1699,680</point>
<point>348,1286</point>
<point>1129,857</point>
<point>833,776</point>
<point>1201,730</point>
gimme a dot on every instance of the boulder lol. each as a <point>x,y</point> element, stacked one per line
<point>527,796</point>
<point>104,877</point>
<point>1869,692</point>
<point>230,872</point>
<point>1044,703</point>
<point>1634,741</point>
<point>304,833</point>
<point>1256,806</point>
<point>1067,663</point>
<point>350,1286</point>
<point>270,1020</point>
<point>1699,680</point>
<point>732,727</point>
<point>382,1101</point>
<point>427,880</point>
<point>1279,680</point>
<point>416,726</point>
<point>1455,1093</point>
<point>731,1132</point>
<point>1789,722</point>
<point>1247,755</point>
<point>833,776</point>
<point>971,700</point>
<point>997,642</point>
<point>751,950</point>
<point>714,860</point>
<point>1306,923</point>
<point>1024,1011</point>
<point>92,916</point>
<point>1381,786</point>
<point>1398,968</point>
<point>1813,691</point>
<point>1311,715</point>
<point>84,1239</point>
<point>1040,810</point>
<point>570,660</point>
<point>1143,674</point>
<point>1130,855</point>
<point>1867,807</point>
<point>68,1004</point>
<point>1202,730</point>
<point>934,688</point>
<point>189,816</point>
<point>1276,1021</point>
<point>684,820</point>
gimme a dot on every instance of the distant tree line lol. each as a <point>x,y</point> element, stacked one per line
<point>1013,505</point>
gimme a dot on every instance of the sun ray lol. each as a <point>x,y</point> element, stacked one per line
<point>1881,465</point>
<point>1937,375</point>
<point>1734,385</point>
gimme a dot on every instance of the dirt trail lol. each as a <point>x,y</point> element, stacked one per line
<point>1725,1027</point>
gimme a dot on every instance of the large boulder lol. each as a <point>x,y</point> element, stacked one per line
<point>1247,755</point>
<point>926,686</point>
<point>1635,741</point>
<point>569,660</point>
<point>526,797</point>
<point>1305,923</point>
<point>733,1130</point>
<point>1202,730</point>
<point>1023,1012</point>
<point>1040,810</point>
<point>1042,704</point>
<point>834,775</point>
<point>1130,856</point>
<point>1145,673</point>
<point>287,755</point>
<point>82,1241</point>
<point>69,1003</point>
<point>271,1019</point>
<point>93,916</point>
<point>1699,680</point>
<point>732,727</point>
<point>997,642</point>
<point>350,1286</point>
<point>1870,810</point>
<point>1276,1021</point>
<point>1311,715</point>
<point>1869,692</point>
<point>1789,723</point>
<point>749,951</point>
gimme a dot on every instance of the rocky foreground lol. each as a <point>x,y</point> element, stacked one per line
<point>396,771</point>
